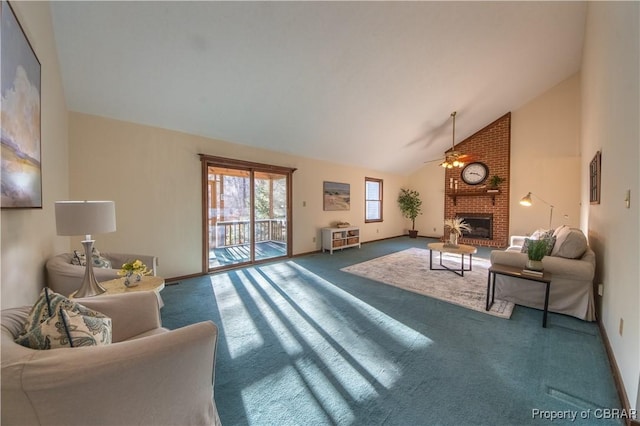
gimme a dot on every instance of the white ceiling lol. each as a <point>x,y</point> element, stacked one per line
<point>371,84</point>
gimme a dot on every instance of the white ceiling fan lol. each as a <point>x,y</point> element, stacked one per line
<point>453,158</point>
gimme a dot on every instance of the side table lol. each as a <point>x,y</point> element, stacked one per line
<point>512,271</point>
<point>147,283</point>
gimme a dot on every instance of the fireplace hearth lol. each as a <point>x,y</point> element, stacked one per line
<point>481,225</point>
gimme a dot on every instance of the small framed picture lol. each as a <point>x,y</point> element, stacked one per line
<point>594,178</point>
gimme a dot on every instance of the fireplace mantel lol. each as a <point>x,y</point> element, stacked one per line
<point>486,193</point>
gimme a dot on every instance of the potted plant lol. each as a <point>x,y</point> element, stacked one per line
<point>410,206</point>
<point>536,250</point>
<point>456,226</point>
<point>133,272</point>
<point>495,181</point>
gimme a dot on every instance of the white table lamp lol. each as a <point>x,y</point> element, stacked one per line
<point>86,218</point>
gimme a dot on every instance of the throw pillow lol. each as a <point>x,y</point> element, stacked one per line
<point>46,307</point>
<point>68,329</point>
<point>97,260</point>
<point>559,229</point>
<point>541,234</point>
<point>570,244</point>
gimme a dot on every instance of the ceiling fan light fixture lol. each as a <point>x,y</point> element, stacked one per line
<point>452,157</point>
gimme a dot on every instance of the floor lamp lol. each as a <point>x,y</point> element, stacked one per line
<point>86,218</point>
<point>526,201</point>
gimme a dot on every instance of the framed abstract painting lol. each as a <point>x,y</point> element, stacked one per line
<point>21,171</point>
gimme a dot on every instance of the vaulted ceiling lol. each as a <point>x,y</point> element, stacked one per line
<point>370,84</point>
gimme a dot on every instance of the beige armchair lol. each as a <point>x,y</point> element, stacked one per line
<point>147,376</point>
<point>64,278</point>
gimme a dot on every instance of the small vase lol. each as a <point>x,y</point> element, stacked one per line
<point>534,265</point>
<point>132,279</point>
<point>453,239</point>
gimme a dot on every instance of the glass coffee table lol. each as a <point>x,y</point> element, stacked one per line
<point>460,249</point>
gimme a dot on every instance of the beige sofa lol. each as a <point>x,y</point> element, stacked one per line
<point>63,277</point>
<point>147,376</point>
<point>571,291</point>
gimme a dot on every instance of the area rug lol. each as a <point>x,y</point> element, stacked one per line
<point>409,270</point>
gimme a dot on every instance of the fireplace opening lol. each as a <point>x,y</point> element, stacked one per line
<point>481,225</point>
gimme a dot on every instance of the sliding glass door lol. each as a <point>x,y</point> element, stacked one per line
<point>247,212</point>
<point>270,212</point>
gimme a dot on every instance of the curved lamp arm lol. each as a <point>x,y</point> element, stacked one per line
<point>526,201</point>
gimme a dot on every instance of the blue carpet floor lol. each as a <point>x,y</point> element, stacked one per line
<point>303,343</point>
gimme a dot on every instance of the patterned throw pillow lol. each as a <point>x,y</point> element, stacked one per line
<point>47,305</point>
<point>542,234</point>
<point>68,329</point>
<point>48,310</point>
<point>97,260</point>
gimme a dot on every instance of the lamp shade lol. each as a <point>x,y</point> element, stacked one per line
<point>526,200</point>
<point>85,217</point>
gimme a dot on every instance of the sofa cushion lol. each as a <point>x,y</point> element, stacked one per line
<point>570,243</point>
<point>68,329</point>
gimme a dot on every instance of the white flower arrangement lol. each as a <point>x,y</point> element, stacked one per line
<point>457,225</point>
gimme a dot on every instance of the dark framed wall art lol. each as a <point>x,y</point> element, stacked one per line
<point>595,177</point>
<point>21,171</point>
<point>337,196</point>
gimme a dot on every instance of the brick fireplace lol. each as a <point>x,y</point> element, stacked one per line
<point>491,146</point>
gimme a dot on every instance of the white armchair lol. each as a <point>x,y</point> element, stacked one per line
<point>64,278</point>
<point>147,376</point>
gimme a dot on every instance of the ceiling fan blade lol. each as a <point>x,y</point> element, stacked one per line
<point>432,161</point>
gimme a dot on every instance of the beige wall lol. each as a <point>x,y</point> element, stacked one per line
<point>28,235</point>
<point>429,182</point>
<point>153,175</point>
<point>610,111</point>
<point>545,159</point>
